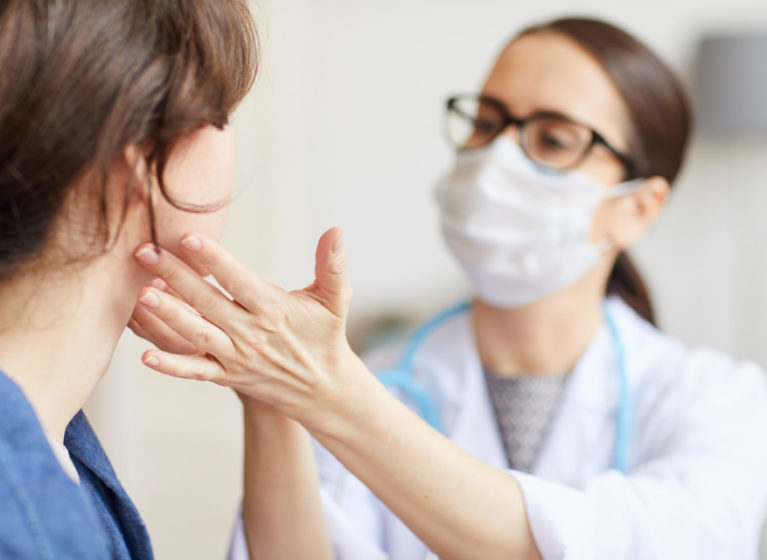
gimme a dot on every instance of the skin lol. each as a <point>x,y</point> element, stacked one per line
<point>550,72</point>
<point>289,349</point>
<point>60,324</point>
<point>72,324</point>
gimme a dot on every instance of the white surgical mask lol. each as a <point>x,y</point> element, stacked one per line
<point>520,232</point>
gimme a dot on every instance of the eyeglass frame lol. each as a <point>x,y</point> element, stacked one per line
<point>596,138</point>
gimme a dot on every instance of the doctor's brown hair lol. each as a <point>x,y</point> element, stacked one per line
<point>660,114</point>
<point>84,79</point>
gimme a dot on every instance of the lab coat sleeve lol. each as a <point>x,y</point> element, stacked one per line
<point>238,547</point>
<point>699,493</point>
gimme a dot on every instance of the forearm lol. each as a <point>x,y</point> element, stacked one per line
<point>458,505</point>
<point>289,349</point>
<point>282,513</point>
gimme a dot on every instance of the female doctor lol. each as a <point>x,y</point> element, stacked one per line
<point>558,422</point>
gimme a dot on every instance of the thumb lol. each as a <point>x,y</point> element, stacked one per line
<point>331,279</point>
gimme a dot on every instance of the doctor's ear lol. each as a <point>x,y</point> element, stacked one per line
<point>635,213</point>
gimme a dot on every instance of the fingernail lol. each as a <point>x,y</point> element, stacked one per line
<point>148,256</point>
<point>151,361</point>
<point>191,243</point>
<point>150,299</point>
<point>339,244</point>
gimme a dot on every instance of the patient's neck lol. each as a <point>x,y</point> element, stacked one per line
<point>58,331</point>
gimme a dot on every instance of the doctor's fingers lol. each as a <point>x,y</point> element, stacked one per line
<point>162,285</point>
<point>246,288</point>
<point>198,367</point>
<point>202,335</point>
<point>279,391</point>
<point>205,298</point>
<point>154,330</point>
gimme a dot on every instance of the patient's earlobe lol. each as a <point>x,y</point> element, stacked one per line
<point>137,178</point>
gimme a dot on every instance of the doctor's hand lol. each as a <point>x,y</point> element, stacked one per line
<point>146,325</point>
<point>286,349</point>
<point>289,351</point>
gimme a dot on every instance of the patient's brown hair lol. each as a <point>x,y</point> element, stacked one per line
<point>84,79</point>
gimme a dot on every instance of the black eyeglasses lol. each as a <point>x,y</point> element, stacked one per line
<point>548,139</point>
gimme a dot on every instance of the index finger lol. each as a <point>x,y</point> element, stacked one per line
<point>193,289</point>
<point>244,286</point>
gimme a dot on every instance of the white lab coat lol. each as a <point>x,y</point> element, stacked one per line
<point>697,486</point>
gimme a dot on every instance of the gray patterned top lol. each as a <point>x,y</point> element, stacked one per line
<point>524,407</point>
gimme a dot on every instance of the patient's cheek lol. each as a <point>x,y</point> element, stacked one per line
<point>180,222</point>
<point>200,173</point>
<point>214,227</point>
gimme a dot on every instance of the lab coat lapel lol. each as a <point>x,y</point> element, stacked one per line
<point>580,440</point>
<point>474,428</point>
<point>581,437</point>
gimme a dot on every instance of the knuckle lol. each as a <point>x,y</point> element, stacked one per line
<point>206,303</point>
<point>163,341</point>
<point>258,341</point>
<point>272,318</point>
<point>201,339</point>
<point>238,286</point>
<point>199,375</point>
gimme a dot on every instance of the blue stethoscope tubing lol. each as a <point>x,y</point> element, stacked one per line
<point>401,377</point>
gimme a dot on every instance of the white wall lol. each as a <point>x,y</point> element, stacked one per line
<point>344,128</point>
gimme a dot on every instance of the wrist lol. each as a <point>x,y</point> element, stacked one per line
<point>257,414</point>
<point>348,401</point>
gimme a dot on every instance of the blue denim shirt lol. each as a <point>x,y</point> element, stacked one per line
<point>43,513</point>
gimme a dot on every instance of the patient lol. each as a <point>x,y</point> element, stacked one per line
<point>113,132</point>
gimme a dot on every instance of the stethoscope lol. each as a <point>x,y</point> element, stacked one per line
<point>401,377</point>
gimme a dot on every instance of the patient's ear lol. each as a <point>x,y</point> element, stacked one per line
<point>132,190</point>
<point>635,213</point>
<point>132,173</point>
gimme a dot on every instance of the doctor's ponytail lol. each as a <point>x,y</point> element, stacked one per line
<point>660,114</point>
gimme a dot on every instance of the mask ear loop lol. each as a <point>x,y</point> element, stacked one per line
<point>617,191</point>
<point>624,189</point>
<point>620,190</point>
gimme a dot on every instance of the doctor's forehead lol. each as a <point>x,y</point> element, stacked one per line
<point>547,71</point>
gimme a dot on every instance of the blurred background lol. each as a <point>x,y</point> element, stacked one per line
<point>344,127</point>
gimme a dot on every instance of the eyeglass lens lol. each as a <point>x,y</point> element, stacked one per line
<point>547,140</point>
